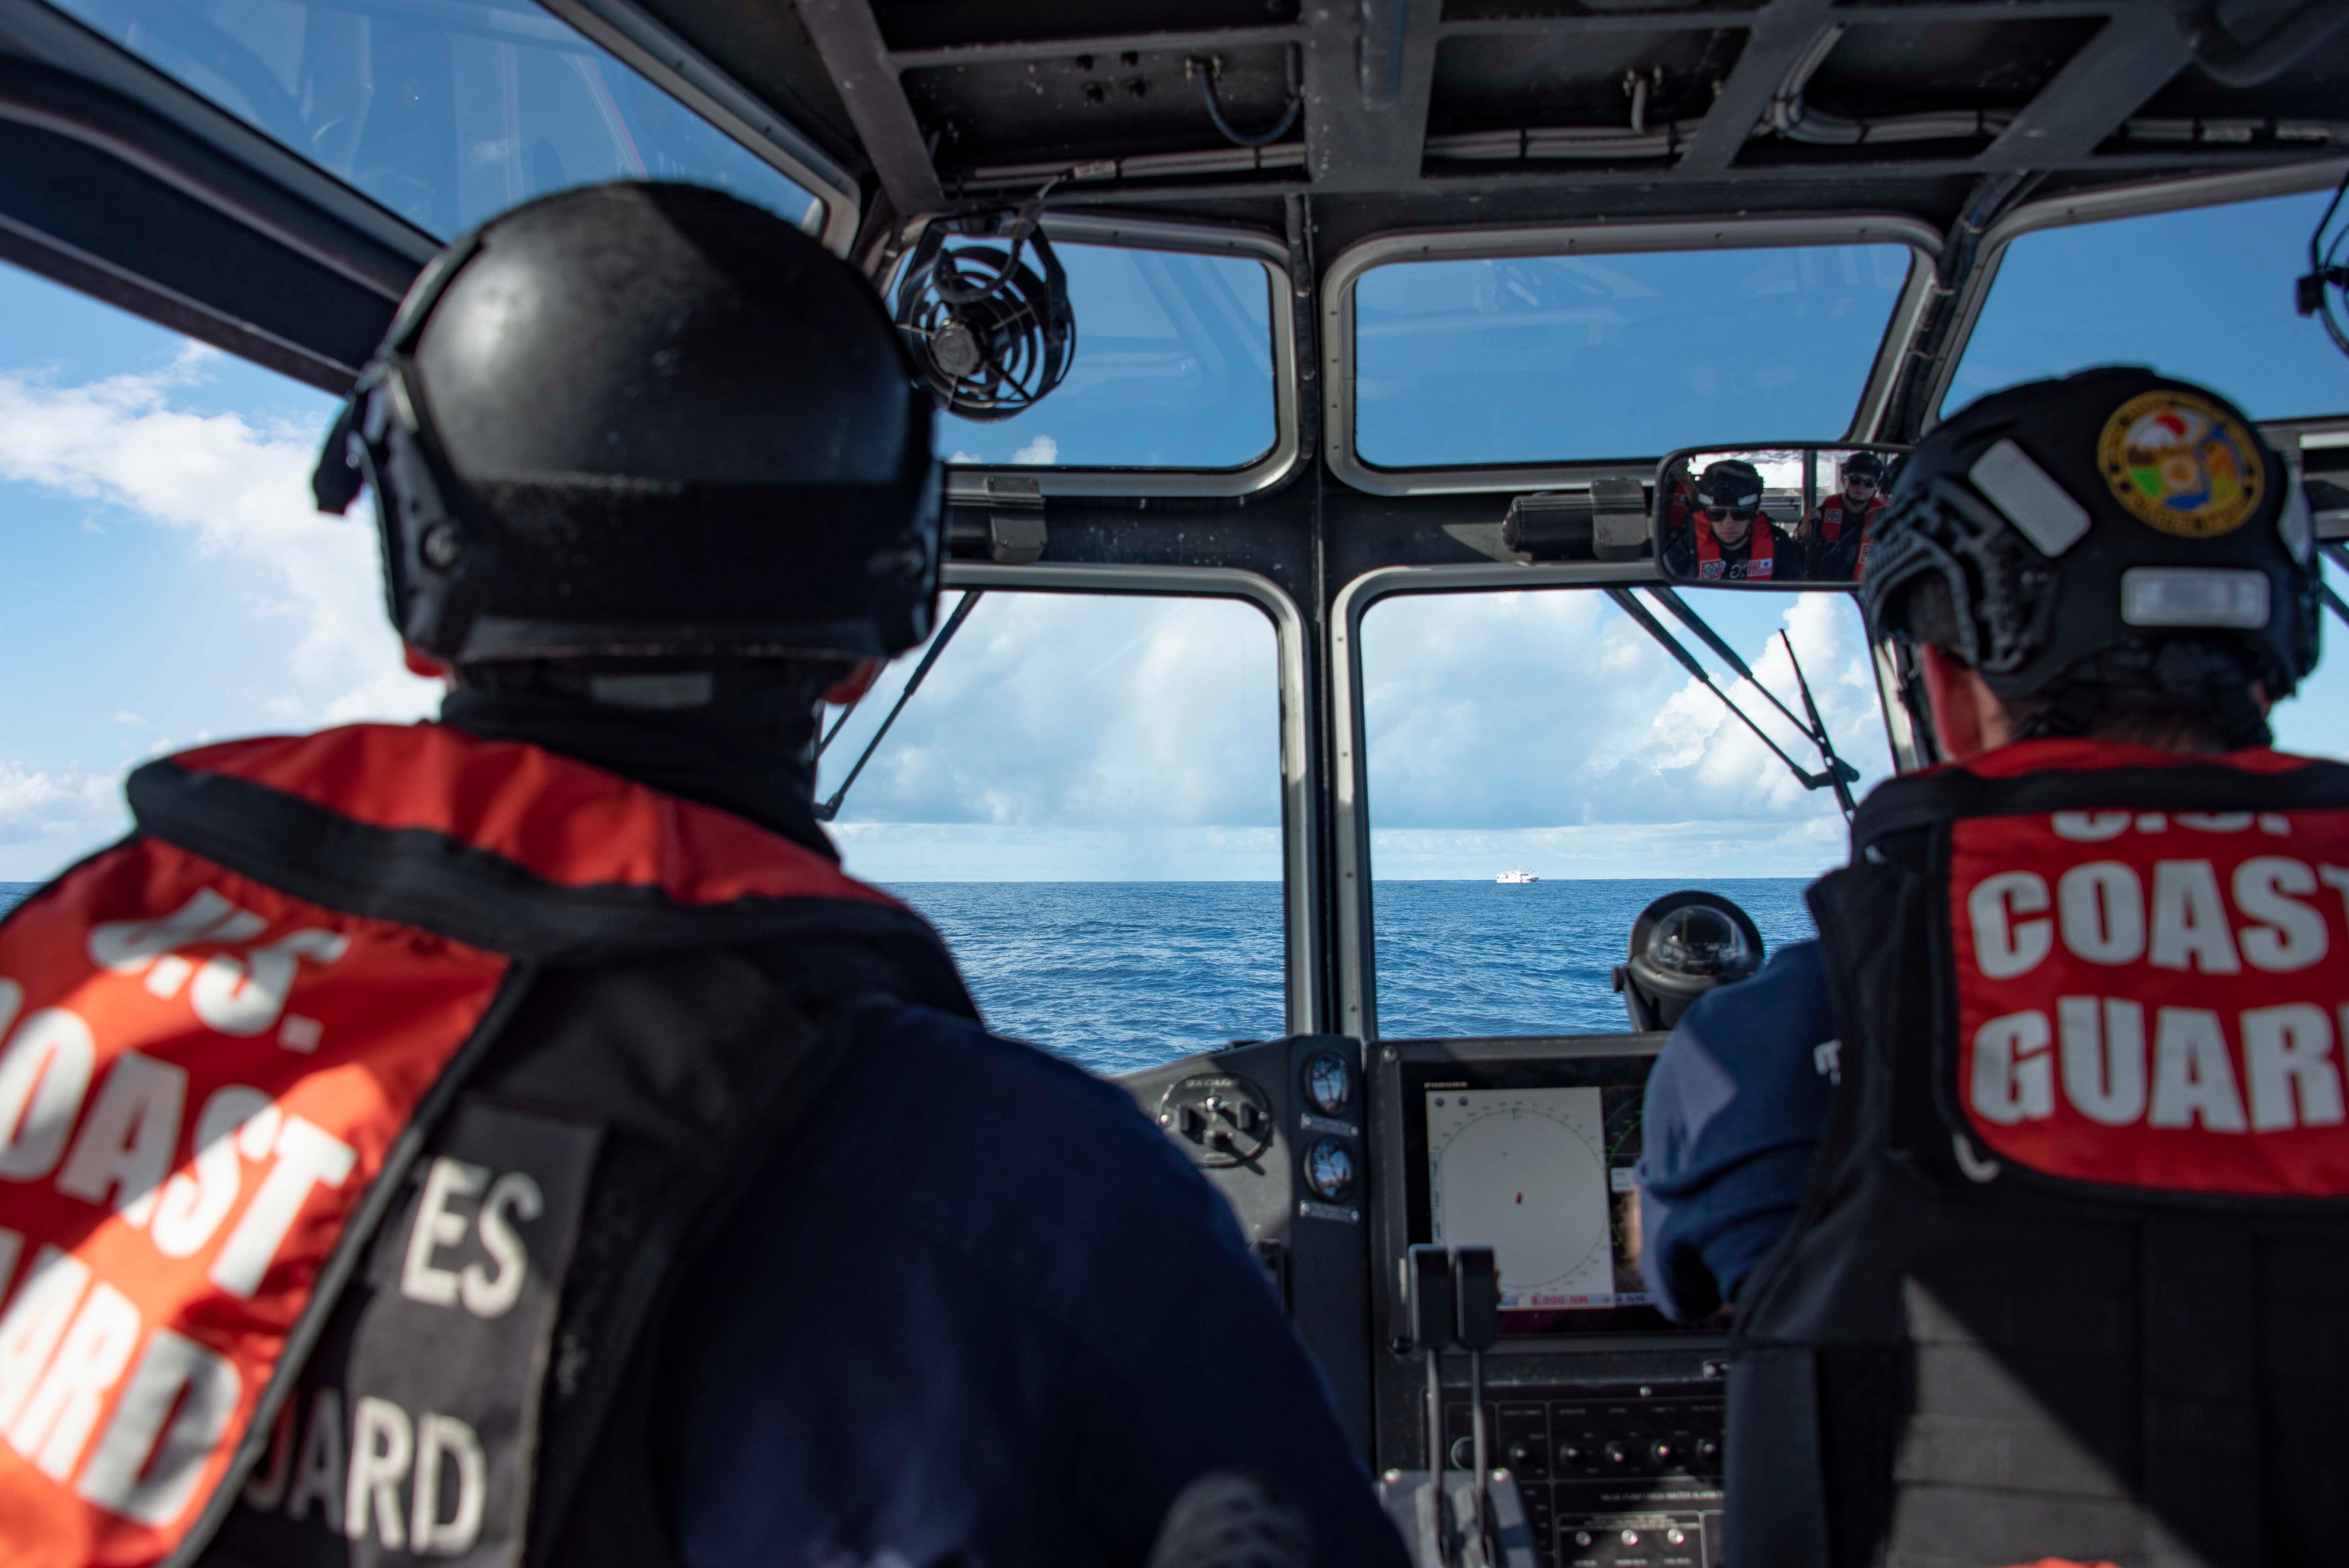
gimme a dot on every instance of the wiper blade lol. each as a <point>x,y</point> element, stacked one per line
<point>1842,773</point>
<point>1670,645</point>
<point>2339,557</point>
<point>826,810</point>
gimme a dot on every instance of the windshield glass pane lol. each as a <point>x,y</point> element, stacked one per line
<point>1540,770</point>
<point>1559,359</point>
<point>446,111</point>
<point>1083,796</point>
<point>1172,369</point>
<point>2204,295</point>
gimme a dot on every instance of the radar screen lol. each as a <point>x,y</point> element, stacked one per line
<point>1523,1160</point>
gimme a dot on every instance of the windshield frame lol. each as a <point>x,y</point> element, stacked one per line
<point>2131,201</point>
<point>1347,269</point>
<point>974,483</point>
<point>1354,937</point>
<point>1292,644</point>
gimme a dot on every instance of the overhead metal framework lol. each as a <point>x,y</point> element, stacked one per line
<point>1576,109</point>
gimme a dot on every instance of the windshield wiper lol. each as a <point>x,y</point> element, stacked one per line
<point>1845,774</point>
<point>1837,775</point>
<point>2339,557</point>
<point>826,810</point>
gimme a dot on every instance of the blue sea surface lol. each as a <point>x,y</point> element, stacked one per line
<point>1484,958</point>
<point>1120,975</point>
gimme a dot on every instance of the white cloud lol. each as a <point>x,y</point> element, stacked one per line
<point>1042,450</point>
<point>235,486</point>
<point>1067,711</point>
<point>42,809</point>
<point>1546,729</point>
<point>1073,737</point>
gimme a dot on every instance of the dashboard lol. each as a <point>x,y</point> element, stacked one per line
<point>1609,1415</point>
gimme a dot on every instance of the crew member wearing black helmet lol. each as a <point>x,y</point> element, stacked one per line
<point>514,1139</point>
<point>2025,1180</point>
<point>1836,533</point>
<point>1729,539</point>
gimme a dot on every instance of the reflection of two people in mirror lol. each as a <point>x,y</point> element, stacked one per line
<point>1716,530</point>
<point>1836,533</point>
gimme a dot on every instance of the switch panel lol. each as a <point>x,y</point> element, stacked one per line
<point>1616,1474</point>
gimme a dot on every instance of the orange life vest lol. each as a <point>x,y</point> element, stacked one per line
<point>223,1042</point>
<point>1761,545</point>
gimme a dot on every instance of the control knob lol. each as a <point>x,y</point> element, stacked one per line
<point>1616,1455</point>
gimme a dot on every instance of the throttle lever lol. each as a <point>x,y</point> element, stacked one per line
<point>1430,1298</point>
<point>1477,1317</point>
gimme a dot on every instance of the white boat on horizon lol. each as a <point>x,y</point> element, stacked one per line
<point>1517,877</point>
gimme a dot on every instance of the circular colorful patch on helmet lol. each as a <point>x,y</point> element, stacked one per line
<point>2182,464</point>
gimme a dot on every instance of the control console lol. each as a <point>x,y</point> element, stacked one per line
<point>1510,1160</point>
<point>1608,1416</point>
<point>1276,1127</point>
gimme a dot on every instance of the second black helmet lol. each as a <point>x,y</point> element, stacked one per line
<point>644,420</point>
<point>2112,525</point>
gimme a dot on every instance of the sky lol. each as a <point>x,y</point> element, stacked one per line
<point>174,585</point>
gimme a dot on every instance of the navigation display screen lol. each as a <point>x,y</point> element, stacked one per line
<point>1540,1170</point>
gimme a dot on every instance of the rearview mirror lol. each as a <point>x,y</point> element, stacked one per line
<point>1765,516</point>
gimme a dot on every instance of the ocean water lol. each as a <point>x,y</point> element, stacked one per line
<point>1118,975</point>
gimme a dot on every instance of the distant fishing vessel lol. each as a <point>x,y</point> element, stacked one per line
<point>1517,876</point>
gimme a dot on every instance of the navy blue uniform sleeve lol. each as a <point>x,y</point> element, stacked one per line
<point>1735,1108</point>
<point>985,1313</point>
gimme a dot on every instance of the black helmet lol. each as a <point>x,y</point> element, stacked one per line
<point>1732,482</point>
<point>2115,530</point>
<point>644,420</point>
<point>1867,464</point>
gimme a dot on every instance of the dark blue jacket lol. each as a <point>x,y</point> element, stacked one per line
<point>985,1313</point>
<point>1735,1105</point>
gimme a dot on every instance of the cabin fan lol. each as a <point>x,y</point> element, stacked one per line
<point>991,335</point>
